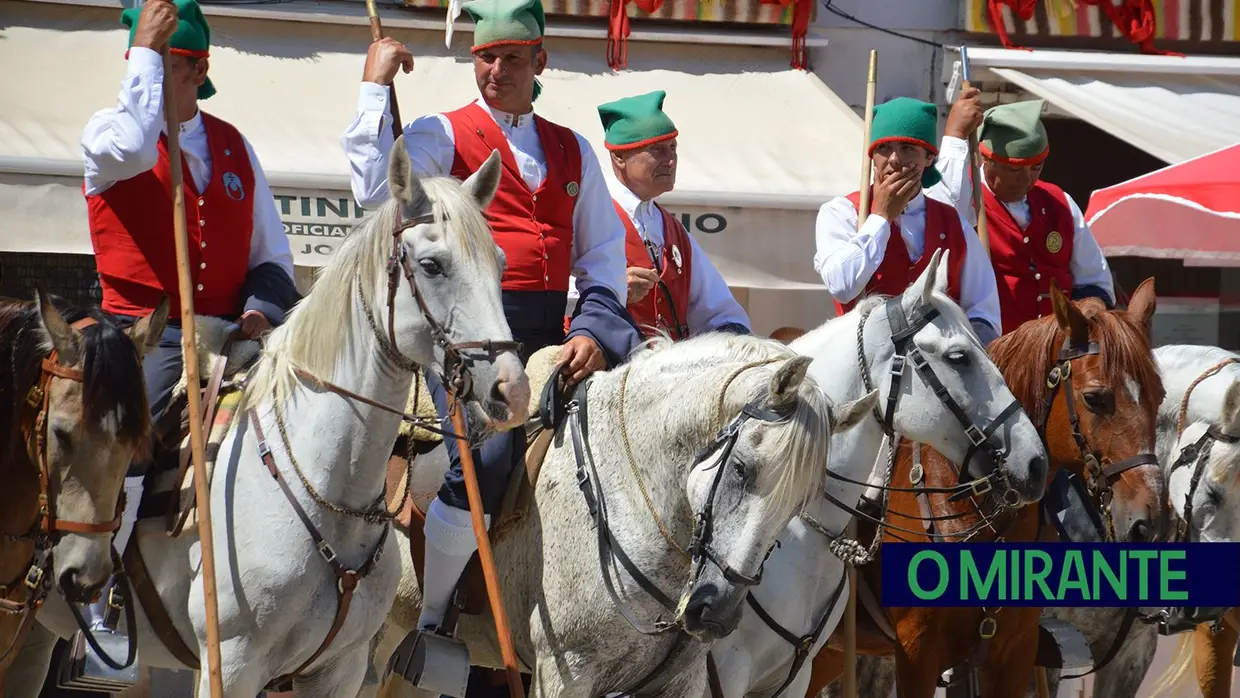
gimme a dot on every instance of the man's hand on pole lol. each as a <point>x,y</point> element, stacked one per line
<point>156,24</point>
<point>966,113</point>
<point>384,59</point>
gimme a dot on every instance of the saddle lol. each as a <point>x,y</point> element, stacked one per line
<point>168,491</point>
<point>548,402</point>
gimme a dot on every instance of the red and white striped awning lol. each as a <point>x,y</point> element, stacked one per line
<point>1188,211</point>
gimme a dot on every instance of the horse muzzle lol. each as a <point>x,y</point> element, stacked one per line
<point>713,612</point>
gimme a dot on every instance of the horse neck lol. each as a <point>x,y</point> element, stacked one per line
<point>854,452</point>
<point>349,439</point>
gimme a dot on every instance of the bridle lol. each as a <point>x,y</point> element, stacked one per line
<point>47,529</point>
<point>701,549</point>
<point>456,361</point>
<point>1172,619</point>
<point>1099,477</point>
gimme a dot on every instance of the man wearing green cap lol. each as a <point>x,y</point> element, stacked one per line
<point>905,225</point>
<point>1036,231</point>
<point>691,295</point>
<point>239,255</point>
<point>551,215</point>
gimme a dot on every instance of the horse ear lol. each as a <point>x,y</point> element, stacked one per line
<point>1070,318</point>
<point>787,379</point>
<point>402,182</point>
<point>850,414</point>
<point>482,184</point>
<point>145,332</point>
<point>1229,420</point>
<point>940,276</point>
<point>63,338</point>
<point>1142,304</point>
<point>924,287</point>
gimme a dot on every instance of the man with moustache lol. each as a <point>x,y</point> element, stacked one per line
<point>1037,232</point>
<point>908,221</point>
<point>672,286</point>
<point>552,216</point>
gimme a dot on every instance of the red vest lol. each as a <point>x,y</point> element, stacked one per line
<point>534,229</point>
<point>1026,260</point>
<point>135,249</point>
<point>653,312</point>
<point>896,273</point>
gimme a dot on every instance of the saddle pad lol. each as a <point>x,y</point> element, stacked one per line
<point>164,484</point>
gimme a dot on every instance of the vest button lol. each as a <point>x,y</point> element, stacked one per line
<point>199,287</point>
<point>203,244</point>
<point>227,151</point>
<point>547,279</point>
<point>535,197</point>
<point>201,222</point>
<point>942,236</point>
<point>1026,240</point>
<point>202,266</point>
<point>202,202</point>
<point>1038,276</point>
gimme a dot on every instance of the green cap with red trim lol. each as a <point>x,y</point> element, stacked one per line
<point>634,122</point>
<point>908,120</point>
<point>192,37</point>
<point>1013,133</point>
<point>498,22</point>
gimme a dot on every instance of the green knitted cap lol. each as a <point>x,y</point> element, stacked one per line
<point>908,120</point>
<point>499,22</point>
<point>192,37</point>
<point>637,121</point>
<point>1014,134</point>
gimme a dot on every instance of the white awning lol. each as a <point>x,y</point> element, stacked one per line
<point>1174,108</point>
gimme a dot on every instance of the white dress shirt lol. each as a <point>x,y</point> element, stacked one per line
<point>1088,266</point>
<point>847,258</point>
<point>711,303</point>
<point>598,234</point>
<point>123,142</point>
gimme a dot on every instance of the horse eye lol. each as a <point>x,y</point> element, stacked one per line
<point>1098,401</point>
<point>1214,496</point>
<point>430,266</point>
<point>64,438</point>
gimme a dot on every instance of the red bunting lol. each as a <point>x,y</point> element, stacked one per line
<point>1135,19</point>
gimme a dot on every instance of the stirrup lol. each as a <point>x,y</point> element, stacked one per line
<point>432,661</point>
<point>82,669</point>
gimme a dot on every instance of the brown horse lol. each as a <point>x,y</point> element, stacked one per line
<point>74,414</point>
<point>1085,362</point>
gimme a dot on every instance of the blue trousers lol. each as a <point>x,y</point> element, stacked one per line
<point>536,320</point>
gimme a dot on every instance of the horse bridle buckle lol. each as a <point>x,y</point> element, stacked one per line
<point>34,577</point>
<point>980,487</point>
<point>988,627</point>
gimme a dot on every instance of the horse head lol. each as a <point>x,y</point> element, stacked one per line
<point>93,423</point>
<point>951,395</point>
<point>452,317</point>
<point>760,470</point>
<point>1088,377</point>
<point>1203,485</point>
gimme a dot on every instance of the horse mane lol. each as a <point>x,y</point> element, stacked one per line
<point>1025,354</point>
<point>802,441</point>
<point>113,386</point>
<point>317,330</point>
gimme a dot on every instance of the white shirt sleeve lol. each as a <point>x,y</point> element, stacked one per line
<point>979,292</point>
<point>368,140</point>
<point>123,141</point>
<point>954,166</point>
<point>846,258</point>
<point>598,234</point>
<point>711,303</point>
<point>268,243</point>
<point>1088,266</point>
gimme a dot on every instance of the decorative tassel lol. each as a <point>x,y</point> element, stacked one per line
<point>1135,19</point>
<point>617,34</point>
<point>801,11</point>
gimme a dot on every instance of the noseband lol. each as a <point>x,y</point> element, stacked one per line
<point>1098,477</point>
<point>456,359</point>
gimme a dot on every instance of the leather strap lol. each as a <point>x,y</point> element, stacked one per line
<point>153,606</point>
<point>176,515</point>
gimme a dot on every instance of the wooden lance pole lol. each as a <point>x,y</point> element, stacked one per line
<point>975,155</point>
<point>863,211</point>
<point>376,34</point>
<point>507,651</point>
<point>189,349</point>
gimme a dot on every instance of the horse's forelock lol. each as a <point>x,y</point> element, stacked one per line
<point>113,386</point>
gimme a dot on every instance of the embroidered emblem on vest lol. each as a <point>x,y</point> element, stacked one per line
<point>1054,242</point>
<point>232,185</point>
<point>677,259</point>
<point>571,188</point>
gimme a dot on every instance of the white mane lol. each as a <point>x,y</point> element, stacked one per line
<point>317,329</point>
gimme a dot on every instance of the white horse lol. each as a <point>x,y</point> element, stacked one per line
<point>278,592</point>
<point>653,434</point>
<point>1213,403</point>
<point>805,589</point>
